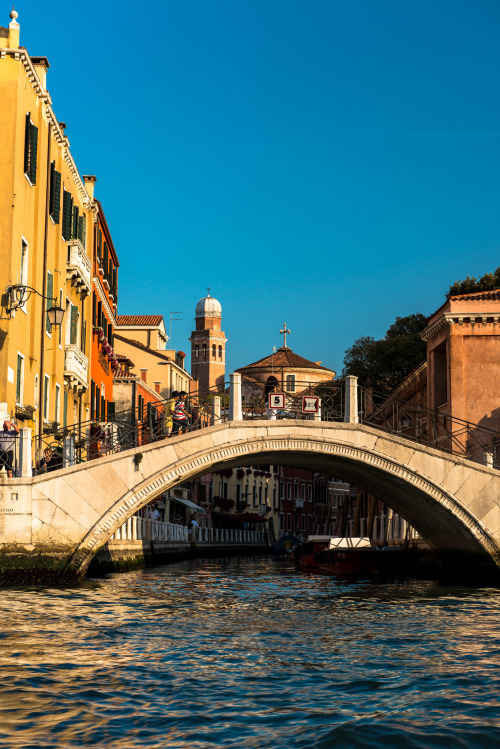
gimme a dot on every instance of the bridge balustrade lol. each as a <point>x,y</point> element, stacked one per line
<point>146,529</point>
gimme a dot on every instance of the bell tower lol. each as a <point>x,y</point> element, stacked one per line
<point>208,346</point>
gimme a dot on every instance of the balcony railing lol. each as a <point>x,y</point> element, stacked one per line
<point>76,366</point>
<point>79,267</point>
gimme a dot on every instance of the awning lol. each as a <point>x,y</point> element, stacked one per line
<point>188,503</point>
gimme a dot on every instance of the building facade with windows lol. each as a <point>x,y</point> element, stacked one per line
<point>46,218</point>
<point>103,361</point>
<point>142,338</point>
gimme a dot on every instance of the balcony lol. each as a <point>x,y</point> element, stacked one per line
<point>76,368</point>
<point>299,504</point>
<point>79,267</point>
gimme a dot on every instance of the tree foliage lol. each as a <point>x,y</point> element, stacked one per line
<point>488,282</point>
<point>386,362</point>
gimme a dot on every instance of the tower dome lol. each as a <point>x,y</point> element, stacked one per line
<point>208,307</point>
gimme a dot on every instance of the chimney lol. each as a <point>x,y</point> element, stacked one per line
<point>157,385</point>
<point>90,181</point>
<point>41,65</point>
<point>144,373</point>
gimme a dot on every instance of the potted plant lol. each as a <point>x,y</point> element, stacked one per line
<point>25,413</point>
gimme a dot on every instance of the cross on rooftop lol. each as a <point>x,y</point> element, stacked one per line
<point>208,290</point>
<point>286,331</point>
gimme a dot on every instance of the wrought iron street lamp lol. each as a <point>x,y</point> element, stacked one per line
<point>19,295</point>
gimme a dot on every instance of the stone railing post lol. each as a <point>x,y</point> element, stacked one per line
<point>24,467</point>
<point>215,410</point>
<point>317,417</point>
<point>68,451</point>
<point>351,399</point>
<point>235,413</point>
<point>488,457</point>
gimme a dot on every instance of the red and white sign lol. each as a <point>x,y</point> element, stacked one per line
<point>276,401</point>
<point>310,404</point>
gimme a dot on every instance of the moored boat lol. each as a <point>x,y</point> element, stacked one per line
<point>334,555</point>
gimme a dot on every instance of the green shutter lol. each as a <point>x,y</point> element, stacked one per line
<point>94,309</point>
<point>82,229</point>
<point>19,378</point>
<point>92,400</point>
<point>55,194</point>
<point>74,223</point>
<point>50,300</point>
<point>27,142</point>
<point>111,410</point>
<point>84,336</point>
<point>74,323</point>
<point>65,410</point>
<point>33,153</point>
<point>67,215</point>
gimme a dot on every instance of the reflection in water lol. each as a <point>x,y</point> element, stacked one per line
<point>248,653</point>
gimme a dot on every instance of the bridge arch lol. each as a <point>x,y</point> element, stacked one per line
<point>454,504</point>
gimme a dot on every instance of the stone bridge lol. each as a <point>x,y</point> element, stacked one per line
<point>57,522</point>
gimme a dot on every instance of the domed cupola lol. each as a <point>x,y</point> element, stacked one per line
<point>208,307</point>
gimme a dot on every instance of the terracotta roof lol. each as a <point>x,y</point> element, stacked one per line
<point>284,357</point>
<point>133,320</point>
<point>143,347</point>
<point>492,294</point>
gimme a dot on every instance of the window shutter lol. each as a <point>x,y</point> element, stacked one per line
<point>50,301</point>
<point>97,403</point>
<point>84,336</point>
<point>111,410</point>
<point>52,182</point>
<point>33,153</point>
<point>74,223</point>
<point>103,408</point>
<point>94,309</point>
<point>92,399</point>
<point>67,215</point>
<point>81,229</point>
<point>74,322</point>
<point>27,140</point>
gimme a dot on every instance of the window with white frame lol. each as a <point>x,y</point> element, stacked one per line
<point>289,490</point>
<point>57,412</point>
<point>46,387</point>
<point>20,379</point>
<point>290,383</point>
<point>37,391</point>
<point>23,276</point>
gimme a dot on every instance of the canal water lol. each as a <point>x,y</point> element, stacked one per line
<point>248,653</point>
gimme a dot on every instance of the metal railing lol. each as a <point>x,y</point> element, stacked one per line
<point>431,427</point>
<point>338,401</point>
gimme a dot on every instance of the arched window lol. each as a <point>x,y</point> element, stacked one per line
<point>214,348</point>
<point>290,383</point>
<point>196,351</point>
<point>220,352</point>
<point>204,350</point>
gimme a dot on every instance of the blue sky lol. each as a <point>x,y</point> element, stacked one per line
<point>332,164</point>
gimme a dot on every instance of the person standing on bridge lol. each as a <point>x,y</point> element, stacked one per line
<point>7,445</point>
<point>180,416</point>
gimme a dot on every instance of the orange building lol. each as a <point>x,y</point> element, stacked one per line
<point>103,359</point>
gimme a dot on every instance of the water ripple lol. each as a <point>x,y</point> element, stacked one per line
<point>248,653</point>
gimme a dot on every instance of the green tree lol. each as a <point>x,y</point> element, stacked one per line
<point>488,282</point>
<point>385,363</point>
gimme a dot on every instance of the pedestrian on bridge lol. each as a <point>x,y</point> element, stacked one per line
<point>180,415</point>
<point>7,445</point>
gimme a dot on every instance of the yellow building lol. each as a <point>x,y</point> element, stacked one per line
<point>143,339</point>
<point>46,216</point>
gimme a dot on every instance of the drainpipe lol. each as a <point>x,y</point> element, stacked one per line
<point>44,301</point>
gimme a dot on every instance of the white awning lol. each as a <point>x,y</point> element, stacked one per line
<point>188,503</point>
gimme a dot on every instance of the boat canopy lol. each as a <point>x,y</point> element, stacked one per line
<point>349,543</point>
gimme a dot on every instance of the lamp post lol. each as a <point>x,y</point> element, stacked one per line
<point>18,296</point>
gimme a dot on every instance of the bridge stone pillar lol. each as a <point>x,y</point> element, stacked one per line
<point>351,399</point>
<point>24,467</point>
<point>235,411</point>
<point>215,419</point>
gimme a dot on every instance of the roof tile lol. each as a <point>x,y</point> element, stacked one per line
<point>133,320</point>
